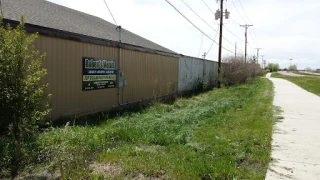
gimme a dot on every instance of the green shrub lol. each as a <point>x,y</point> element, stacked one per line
<point>22,97</point>
<point>273,67</point>
<point>292,68</point>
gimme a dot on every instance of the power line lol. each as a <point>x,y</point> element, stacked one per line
<point>207,6</point>
<point>234,21</point>
<point>204,20</point>
<point>245,12</point>
<point>201,43</point>
<point>255,35</point>
<point>198,16</point>
<point>195,25</point>
<point>110,12</point>
<point>233,33</point>
<point>208,24</point>
<point>212,43</point>
<point>254,32</point>
<point>239,13</point>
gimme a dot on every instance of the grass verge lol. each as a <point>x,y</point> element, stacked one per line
<point>221,134</point>
<point>309,83</point>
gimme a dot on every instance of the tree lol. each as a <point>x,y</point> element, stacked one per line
<point>292,68</point>
<point>273,67</point>
<point>307,69</point>
<point>253,60</point>
<point>23,100</point>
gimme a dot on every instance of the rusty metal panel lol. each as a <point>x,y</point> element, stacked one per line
<point>64,66</point>
<point>148,75</point>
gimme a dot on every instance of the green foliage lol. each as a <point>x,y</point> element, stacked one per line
<point>273,67</point>
<point>292,68</point>
<point>310,83</point>
<point>254,59</point>
<point>221,134</point>
<point>22,97</point>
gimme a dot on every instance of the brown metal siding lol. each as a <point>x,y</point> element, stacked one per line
<point>147,74</point>
<point>64,66</point>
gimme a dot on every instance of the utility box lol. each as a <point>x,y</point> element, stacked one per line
<point>121,82</point>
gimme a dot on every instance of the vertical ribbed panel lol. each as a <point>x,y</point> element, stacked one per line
<point>148,75</point>
<point>64,66</point>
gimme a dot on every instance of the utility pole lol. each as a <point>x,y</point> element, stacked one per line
<point>258,49</point>
<point>219,14</point>
<point>235,51</point>
<point>119,29</point>
<point>204,55</point>
<point>246,26</point>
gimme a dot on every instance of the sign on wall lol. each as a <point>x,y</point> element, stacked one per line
<point>98,74</point>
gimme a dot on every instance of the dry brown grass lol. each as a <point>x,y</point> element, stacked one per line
<point>236,71</point>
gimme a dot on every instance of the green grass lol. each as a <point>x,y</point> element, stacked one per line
<point>309,83</point>
<point>221,134</point>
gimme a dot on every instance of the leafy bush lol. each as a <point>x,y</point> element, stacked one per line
<point>273,67</point>
<point>292,68</point>
<point>22,103</point>
<point>236,71</point>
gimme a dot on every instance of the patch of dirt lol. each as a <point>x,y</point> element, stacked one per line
<point>40,175</point>
<point>286,73</point>
<point>106,169</point>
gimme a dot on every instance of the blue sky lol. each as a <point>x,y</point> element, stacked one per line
<point>284,29</point>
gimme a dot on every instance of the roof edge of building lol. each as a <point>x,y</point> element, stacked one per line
<point>31,28</point>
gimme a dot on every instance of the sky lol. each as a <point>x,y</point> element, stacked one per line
<point>283,29</point>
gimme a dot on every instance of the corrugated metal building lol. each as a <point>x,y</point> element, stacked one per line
<point>72,38</point>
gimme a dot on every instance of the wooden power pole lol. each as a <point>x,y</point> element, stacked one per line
<point>219,14</point>
<point>258,49</point>
<point>246,26</point>
<point>220,43</point>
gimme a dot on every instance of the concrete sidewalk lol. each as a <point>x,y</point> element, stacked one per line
<point>296,139</point>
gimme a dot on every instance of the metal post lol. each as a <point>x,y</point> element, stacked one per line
<point>119,29</point>
<point>235,50</point>
<point>220,43</point>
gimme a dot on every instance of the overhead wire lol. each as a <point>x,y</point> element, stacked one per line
<point>239,12</point>
<point>212,43</point>
<point>201,44</point>
<point>195,25</point>
<point>110,12</point>
<point>199,16</point>
<point>233,33</point>
<point>207,6</point>
<point>207,23</point>
<point>257,42</point>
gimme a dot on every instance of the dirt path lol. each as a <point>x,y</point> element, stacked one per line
<point>296,139</point>
<point>286,73</point>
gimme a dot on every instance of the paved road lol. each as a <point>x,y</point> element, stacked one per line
<point>296,139</point>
